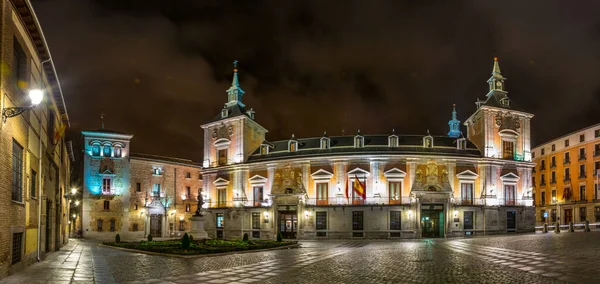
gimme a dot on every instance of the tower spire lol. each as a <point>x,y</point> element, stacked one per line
<point>102,118</point>
<point>235,93</point>
<point>454,124</point>
<point>496,70</point>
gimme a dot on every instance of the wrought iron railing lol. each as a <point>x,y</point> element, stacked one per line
<point>357,201</point>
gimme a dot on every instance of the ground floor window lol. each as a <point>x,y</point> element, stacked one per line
<point>135,227</point>
<point>181,225</point>
<point>256,234</point>
<point>357,220</point>
<point>99,225</point>
<point>219,234</point>
<point>112,225</point>
<point>597,213</point>
<point>582,214</point>
<point>321,221</point>
<point>543,216</point>
<point>255,220</point>
<point>16,247</point>
<point>395,222</point>
<point>553,215</point>
<point>219,220</point>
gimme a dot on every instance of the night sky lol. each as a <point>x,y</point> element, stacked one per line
<point>159,69</point>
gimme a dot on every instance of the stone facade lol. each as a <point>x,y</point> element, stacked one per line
<point>416,186</point>
<point>34,157</point>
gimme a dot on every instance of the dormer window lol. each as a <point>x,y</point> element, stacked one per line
<point>224,113</point>
<point>157,171</point>
<point>293,146</point>
<point>264,149</point>
<point>117,151</point>
<point>428,142</point>
<point>107,151</point>
<point>393,141</point>
<point>505,102</point>
<point>359,141</point>
<point>461,144</point>
<point>325,143</point>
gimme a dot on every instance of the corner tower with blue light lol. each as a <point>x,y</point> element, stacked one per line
<point>454,124</point>
<point>106,183</point>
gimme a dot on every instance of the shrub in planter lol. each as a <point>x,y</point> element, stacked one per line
<point>185,241</point>
<point>279,237</point>
<point>149,237</point>
<point>245,239</point>
<point>117,239</point>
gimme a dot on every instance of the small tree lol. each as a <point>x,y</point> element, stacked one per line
<point>279,237</point>
<point>117,238</point>
<point>245,239</point>
<point>149,237</point>
<point>185,241</point>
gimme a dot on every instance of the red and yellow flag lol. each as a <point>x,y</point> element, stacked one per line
<point>346,190</point>
<point>359,187</point>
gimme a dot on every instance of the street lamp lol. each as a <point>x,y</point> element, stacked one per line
<point>35,95</point>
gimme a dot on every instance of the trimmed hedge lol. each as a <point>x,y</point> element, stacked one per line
<point>199,247</point>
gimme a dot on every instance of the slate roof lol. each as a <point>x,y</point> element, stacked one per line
<point>232,111</point>
<point>494,101</point>
<point>373,144</point>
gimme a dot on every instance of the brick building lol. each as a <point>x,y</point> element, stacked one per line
<point>34,157</point>
<point>566,178</point>
<point>134,194</point>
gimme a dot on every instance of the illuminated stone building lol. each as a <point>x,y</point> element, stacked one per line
<point>416,185</point>
<point>566,178</point>
<point>34,157</point>
<point>134,194</point>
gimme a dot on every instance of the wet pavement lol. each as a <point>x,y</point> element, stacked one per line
<point>539,258</point>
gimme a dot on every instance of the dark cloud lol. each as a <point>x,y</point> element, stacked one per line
<point>159,69</point>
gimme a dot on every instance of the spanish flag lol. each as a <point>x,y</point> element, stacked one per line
<point>359,187</point>
<point>346,190</point>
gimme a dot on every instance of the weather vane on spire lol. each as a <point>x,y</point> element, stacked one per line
<point>102,118</point>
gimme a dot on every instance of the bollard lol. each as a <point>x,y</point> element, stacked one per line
<point>571,229</point>
<point>587,226</point>
<point>556,228</point>
<point>545,228</point>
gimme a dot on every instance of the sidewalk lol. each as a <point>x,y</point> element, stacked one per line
<point>80,261</point>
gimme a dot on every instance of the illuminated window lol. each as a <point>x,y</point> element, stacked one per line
<point>96,150</point>
<point>156,189</point>
<point>508,149</point>
<point>117,152</point>
<point>359,141</point>
<point>393,141</point>
<point>461,144</point>
<point>264,149</point>
<point>187,208</point>
<point>322,193</point>
<point>395,189</point>
<point>222,157</point>
<point>220,221</point>
<point>107,151</point>
<point>293,146</point>
<point>106,185</point>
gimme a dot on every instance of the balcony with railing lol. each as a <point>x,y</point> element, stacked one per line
<point>108,191</point>
<point>581,157</point>
<point>542,182</point>
<point>567,179</point>
<point>542,167</point>
<point>333,201</point>
<point>553,165</point>
<point>582,175</point>
<point>553,181</point>
<point>566,161</point>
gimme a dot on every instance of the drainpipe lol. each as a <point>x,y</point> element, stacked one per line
<point>40,174</point>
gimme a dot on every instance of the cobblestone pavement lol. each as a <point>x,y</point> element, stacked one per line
<point>540,258</point>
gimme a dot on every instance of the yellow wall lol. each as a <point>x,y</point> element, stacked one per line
<point>31,240</point>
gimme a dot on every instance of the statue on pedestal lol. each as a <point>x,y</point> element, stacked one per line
<point>200,203</point>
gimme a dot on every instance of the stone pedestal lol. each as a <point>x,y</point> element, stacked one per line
<point>197,230</point>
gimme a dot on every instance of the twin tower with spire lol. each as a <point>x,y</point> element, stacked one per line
<point>496,91</point>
